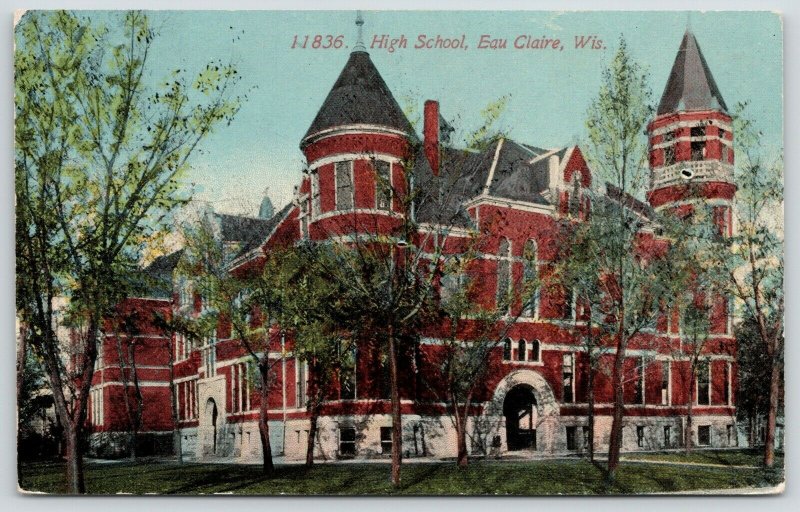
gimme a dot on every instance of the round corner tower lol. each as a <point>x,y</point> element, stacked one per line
<point>355,150</point>
<point>691,141</point>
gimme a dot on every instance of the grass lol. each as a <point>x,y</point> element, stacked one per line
<point>541,477</point>
<point>746,457</point>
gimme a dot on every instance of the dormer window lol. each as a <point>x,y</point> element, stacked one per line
<point>344,185</point>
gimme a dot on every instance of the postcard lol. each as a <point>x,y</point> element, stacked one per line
<point>399,252</point>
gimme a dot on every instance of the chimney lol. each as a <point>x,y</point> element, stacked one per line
<point>430,133</point>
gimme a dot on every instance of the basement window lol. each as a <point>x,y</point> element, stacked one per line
<point>386,440</point>
<point>640,436</point>
<point>704,435</point>
<point>571,441</point>
<point>347,442</point>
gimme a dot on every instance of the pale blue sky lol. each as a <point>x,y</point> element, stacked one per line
<point>550,91</point>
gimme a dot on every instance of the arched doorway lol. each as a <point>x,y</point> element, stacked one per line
<point>212,412</point>
<point>520,411</point>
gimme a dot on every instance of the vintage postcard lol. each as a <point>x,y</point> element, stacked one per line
<point>410,252</point>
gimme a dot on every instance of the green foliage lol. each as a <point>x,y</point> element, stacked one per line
<point>540,477</point>
<point>616,121</point>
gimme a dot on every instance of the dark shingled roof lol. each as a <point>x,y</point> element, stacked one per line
<point>248,231</point>
<point>517,179</point>
<point>360,96</point>
<point>156,278</point>
<point>690,85</point>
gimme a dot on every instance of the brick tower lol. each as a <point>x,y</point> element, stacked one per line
<point>691,141</point>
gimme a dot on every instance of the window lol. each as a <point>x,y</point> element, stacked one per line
<point>575,197</point>
<point>344,185</point>
<point>726,385</point>
<point>703,377</point>
<point>316,207</point>
<point>638,382</point>
<point>704,435</point>
<point>347,371</point>
<point>529,279</point>
<point>386,440</point>
<point>240,394</point>
<point>184,295</point>
<point>669,155</point>
<point>667,436</point>
<point>698,146</point>
<point>383,185</point>
<point>569,303</point>
<point>209,356</point>
<point>452,283</point>
<point>698,131</point>
<point>300,384</point>
<point>507,349</point>
<point>567,370</point>
<point>640,436</point>
<point>347,442</point>
<point>586,436</point>
<point>96,406</point>
<point>571,441</point>
<point>665,375</point>
<point>534,350</point>
<point>521,350</point>
<point>503,273</point>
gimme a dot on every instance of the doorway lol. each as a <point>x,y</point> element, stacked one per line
<point>519,409</point>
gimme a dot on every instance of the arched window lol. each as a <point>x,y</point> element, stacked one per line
<point>522,348</point>
<point>530,273</point>
<point>575,197</point>
<point>534,350</point>
<point>507,349</point>
<point>503,272</point>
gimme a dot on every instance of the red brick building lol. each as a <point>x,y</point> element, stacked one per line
<point>534,399</point>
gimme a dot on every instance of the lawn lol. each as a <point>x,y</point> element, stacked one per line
<point>746,457</point>
<point>541,477</point>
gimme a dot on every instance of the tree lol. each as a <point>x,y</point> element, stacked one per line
<point>752,258</point>
<point>99,159</point>
<point>618,153</point>
<point>695,329</point>
<point>313,305</point>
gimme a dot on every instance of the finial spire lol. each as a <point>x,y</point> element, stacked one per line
<point>359,47</point>
<point>688,21</point>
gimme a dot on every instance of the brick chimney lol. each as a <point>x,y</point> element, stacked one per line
<point>430,133</point>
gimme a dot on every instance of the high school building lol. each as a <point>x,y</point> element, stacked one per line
<point>534,401</point>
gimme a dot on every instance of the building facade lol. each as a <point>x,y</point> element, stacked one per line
<point>534,400</point>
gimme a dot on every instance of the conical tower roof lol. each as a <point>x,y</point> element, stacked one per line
<point>360,96</point>
<point>691,85</point>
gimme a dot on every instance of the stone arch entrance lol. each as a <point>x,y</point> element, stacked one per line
<point>519,409</point>
<point>525,412</point>
<point>209,427</point>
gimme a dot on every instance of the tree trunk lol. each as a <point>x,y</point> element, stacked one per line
<point>687,431</point>
<point>615,443</point>
<point>590,400</point>
<point>397,425</point>
<point>263,424</point>
<point>461,435</point>
<point>772,414</point>
<point>312,435</point>
<point>75,482</point>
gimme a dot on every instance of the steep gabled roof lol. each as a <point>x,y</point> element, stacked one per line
<point>360,96</point>
<point>690,85</point>
<point>156,278</point>
<point>516,178</point>
<point>249,232</point>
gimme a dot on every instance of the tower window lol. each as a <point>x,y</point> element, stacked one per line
<point>669,155</point>
<point>698,150</point>
<point>344,185</point>
<point>383,185</point>
<point>698,131</point>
